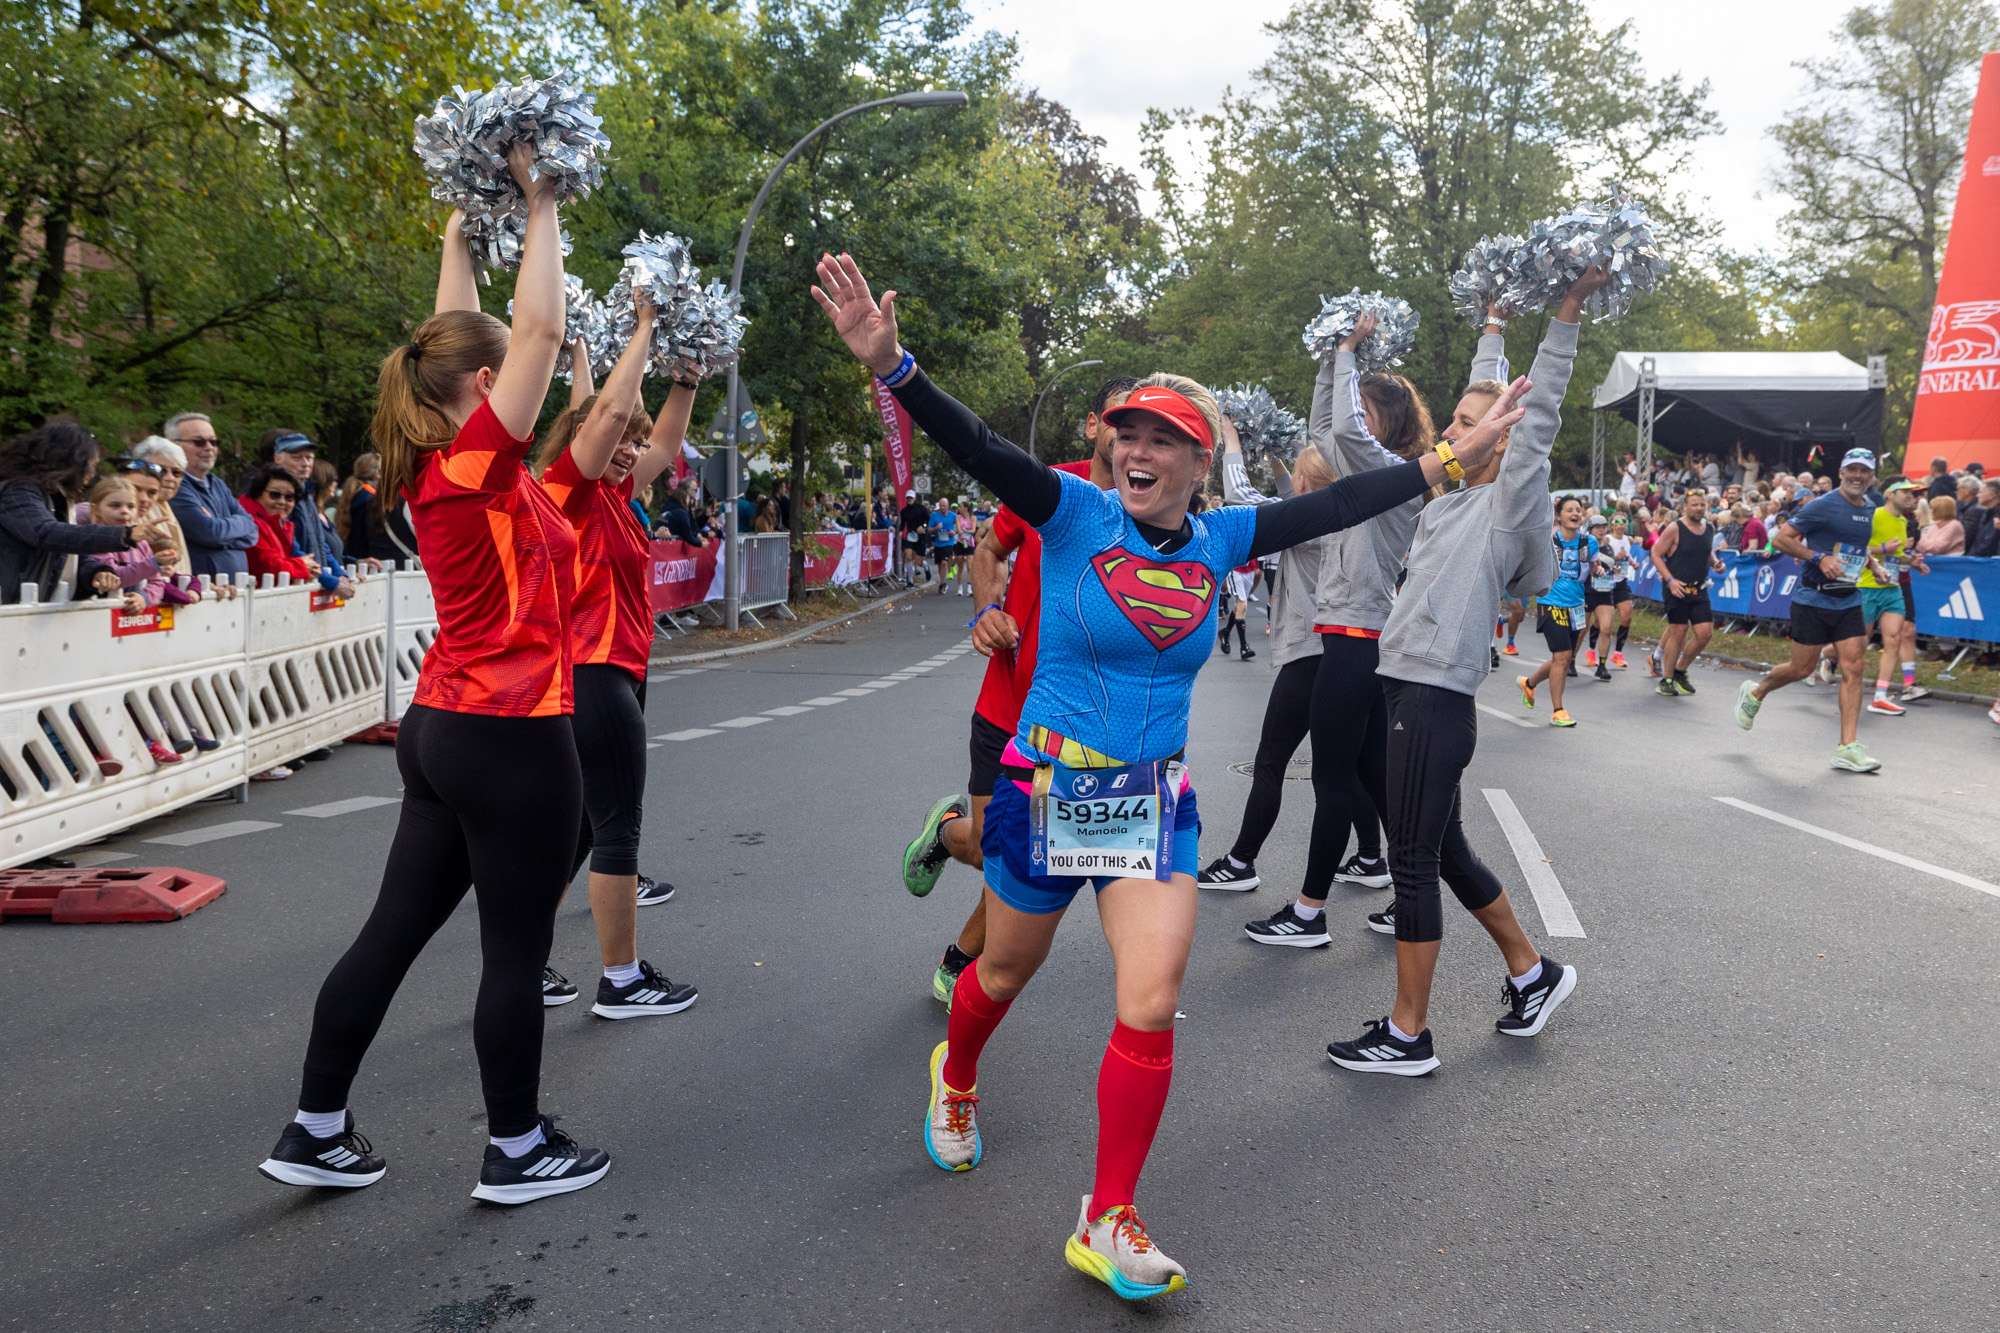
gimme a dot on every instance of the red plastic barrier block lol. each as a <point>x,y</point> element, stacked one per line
<point>382,733</point>
<point>76,897</point>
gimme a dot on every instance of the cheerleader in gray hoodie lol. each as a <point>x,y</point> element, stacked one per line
<point>1471,545</point>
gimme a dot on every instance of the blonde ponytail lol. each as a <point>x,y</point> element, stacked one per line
<point>418,379</point>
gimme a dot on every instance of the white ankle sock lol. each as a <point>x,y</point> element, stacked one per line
<point>1529,977</point>
<point>1239,865</point>
<point>624,974</point>
<point>1304,912</point>
<point>1398,1033</point>
<point>323,1124</point>
<point>521,1144</point>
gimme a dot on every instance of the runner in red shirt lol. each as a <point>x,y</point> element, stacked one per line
<point>1005,632</point>
<point>486,752</point>
<point>595,459</point>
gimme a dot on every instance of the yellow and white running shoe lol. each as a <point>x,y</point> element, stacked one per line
<point>951,1124</point>
<point>1116,1250</point>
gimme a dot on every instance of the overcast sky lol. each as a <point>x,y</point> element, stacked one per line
<point>1109,60</point>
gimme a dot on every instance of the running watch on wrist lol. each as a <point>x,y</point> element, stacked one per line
<point>1452,467</point>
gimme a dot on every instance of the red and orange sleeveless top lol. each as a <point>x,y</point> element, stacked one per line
<point>611,620</point>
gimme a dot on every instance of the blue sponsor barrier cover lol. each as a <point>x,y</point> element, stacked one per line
<point>1959,598</point>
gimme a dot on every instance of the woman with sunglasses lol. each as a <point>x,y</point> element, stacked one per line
<point>1093,789</point>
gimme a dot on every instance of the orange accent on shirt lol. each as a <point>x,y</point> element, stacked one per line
<point>1008,675</point>
<point>611,620</point>
<point>1348,630</point>
<point>501,559</point>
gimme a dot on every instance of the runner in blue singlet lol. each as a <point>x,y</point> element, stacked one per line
<point>1092,786</point>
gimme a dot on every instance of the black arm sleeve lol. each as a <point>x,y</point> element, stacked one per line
<point>1346,503</point>
<point>1029,488</point>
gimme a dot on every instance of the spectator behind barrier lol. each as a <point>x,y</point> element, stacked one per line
<point>41,474</point>
<point>1945,535</point>
<point>319,544</point>
<point>132,574</point>
<point>677,521</point>
<point>351,512</point>
<point>219,534</point>
<point>1941,483</point>
<point>1971,514</point>
<point>270,500</point>
<point>1985,541</point>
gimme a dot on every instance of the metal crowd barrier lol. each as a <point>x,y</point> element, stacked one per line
<point>276,672</point>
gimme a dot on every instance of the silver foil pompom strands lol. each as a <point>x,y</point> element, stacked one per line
<point>1266,430</point>
<point>1532,273</point>
<point>1395,328</point>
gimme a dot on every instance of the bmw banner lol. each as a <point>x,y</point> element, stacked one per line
<point>1959,598</point>
<point>1771,580</point>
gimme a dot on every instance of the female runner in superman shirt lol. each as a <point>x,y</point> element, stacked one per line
<point>491,787</point>
<point>1128,604</point>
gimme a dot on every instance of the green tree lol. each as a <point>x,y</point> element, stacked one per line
<point>1872,157</point>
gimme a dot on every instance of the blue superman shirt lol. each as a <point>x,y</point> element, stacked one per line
<point>1123,628</point>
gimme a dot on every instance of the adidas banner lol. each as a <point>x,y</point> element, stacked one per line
<point>1959,598</point>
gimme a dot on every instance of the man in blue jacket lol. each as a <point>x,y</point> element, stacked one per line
<point>218,532</point>
<point>295,453</point>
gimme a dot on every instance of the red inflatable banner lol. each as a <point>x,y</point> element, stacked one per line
<point>1957,412</point>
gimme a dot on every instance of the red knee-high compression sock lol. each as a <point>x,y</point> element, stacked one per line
<point>974,1015</point>
<point>1131,1093</point>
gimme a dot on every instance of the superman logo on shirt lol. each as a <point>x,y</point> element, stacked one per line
<point>1165,601</point>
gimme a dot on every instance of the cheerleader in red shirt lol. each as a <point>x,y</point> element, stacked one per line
<point>601,450</point>
<point>491,784</point>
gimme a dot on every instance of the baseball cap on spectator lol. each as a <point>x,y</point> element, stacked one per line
<point>286,444</point>
<point>1858,458</point>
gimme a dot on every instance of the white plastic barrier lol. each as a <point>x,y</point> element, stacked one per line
<point>269,675</point>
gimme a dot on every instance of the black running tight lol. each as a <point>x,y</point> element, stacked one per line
<point>487,801</point>
<point>1432,734</point>
<point>611,746</point>
<point>1350,742</point>
<point>1287,719</point>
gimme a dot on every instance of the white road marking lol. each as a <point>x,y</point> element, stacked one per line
<point>743,722</point>
<point>935,662</point>
<point>652,745</point>
<point>692,733</point>
<point>1504,716</point>
<point>823,701</point>
<point>346,807</point>
<point>1908,862</point>
<point>789,710</point>
<point>858,692</point>
<point>1558,917</point>
<point>85,860</point>
<point>882,684</point>
<point>214,833</point>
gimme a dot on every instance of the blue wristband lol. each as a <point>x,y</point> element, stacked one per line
<point>990,606</point>
<point>904,369</point>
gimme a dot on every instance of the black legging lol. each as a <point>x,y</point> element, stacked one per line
<point>1287,717</point>
<point>1432,734</point>
<point>489,801</point>
<point>611,746</point>
<point>1350,747</point>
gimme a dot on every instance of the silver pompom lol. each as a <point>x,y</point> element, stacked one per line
<point>463,145</point>
<point>1475,288</point>
<point>660,270</point>
<point>584,318</point>
<point>1266,430</point>
<point>1395,328</point>
<point>1614,232</point>
<point>706,337</point>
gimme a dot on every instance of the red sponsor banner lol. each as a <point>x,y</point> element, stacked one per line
<point>895,441</point>
<point>823,552</point>
<point>322,600</point>
<point>680,575</point>
<point>1957,412</point>
<point>150,621</point>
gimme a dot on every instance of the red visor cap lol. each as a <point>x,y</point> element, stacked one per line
<point>1164,402</point>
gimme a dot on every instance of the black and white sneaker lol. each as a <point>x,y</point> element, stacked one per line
<point>1368,874</point>
<point>649,993</point>
<point>1380,1051</point>
<point>1222,875</point>
<point>555,1166</point>
<point>1285,926</point>
<point>1384,922</point>
<point>653,892</point>
<point>344,1161</point>
<point>1494,654</point>
<point>1528,1009</point>
<point>556,988</point>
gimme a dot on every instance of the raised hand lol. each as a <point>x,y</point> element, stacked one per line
<point>868,329</point>
<point>1362,328</point>
<point>521,162</point>
<point>1593,279</point>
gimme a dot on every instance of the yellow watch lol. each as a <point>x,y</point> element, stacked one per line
<point>1452,468</point>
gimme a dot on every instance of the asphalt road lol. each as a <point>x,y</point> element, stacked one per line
<point>1768,1107</point>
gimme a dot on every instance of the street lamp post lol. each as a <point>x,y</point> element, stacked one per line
<point>733,568</point>
<point>1035,416</point>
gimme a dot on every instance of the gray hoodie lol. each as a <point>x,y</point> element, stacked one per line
<point>1475,543</point>
<point>1291,589</point>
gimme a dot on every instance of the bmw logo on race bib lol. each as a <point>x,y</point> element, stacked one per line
<point>1084,784</point>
